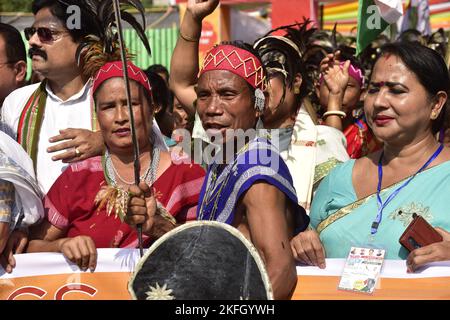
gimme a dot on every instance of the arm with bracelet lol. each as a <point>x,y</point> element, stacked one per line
<point>334,78</point>
<point>184,63</point>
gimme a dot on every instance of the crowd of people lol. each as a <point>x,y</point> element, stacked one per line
<point>356,146</point>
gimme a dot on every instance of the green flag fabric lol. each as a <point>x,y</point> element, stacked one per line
<point>373,17</point>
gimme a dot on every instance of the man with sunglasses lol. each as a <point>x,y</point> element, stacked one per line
<point>13,65</point>
<point>55,114</point>
<point>53,120</point>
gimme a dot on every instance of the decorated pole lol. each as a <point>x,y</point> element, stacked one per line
<point>136,163</point>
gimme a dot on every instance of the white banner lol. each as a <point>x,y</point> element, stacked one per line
<point>50,276</point>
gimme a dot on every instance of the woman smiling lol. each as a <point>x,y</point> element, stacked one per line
<point>370,201</point>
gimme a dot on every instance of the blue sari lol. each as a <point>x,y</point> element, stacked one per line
<point>343,221</point>
<point>258,161</point>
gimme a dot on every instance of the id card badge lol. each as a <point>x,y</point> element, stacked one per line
<point>362,269</point>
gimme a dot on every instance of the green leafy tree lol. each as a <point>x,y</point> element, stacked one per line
<point>147,3</point>
<point>15,6</point>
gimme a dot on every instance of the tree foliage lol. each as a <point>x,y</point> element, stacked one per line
<point>15,6</point>
<point>147,3</point>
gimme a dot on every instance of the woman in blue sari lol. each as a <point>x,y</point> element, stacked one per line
<point>370,201</point>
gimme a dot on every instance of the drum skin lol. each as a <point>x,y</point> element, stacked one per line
<point>201,260</point>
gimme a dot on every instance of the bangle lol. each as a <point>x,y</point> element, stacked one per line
<point>340,114</point>
<point>188,39</point>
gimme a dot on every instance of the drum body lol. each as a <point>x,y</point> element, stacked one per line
<point>202,260</point>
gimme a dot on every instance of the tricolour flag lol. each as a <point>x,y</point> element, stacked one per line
<point>417,17</point>
<point>373,17</point>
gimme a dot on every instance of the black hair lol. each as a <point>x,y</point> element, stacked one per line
<point>299,34</point>
<point>14,46</point>
<point>412,35</point>
<point>370,54</point>
<point>429,68</point>
<point>160,93</point>
<point>244,46</point>
<point>438,41</point>
<point>158,68</point>
<point>58,8</point>
<point>348,53</point>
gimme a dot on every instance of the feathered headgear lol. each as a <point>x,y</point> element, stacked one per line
<point>101,47</point>
<point>438,41</point>
<point>284,54</point>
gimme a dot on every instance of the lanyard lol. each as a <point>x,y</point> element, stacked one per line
<point>381,205</point>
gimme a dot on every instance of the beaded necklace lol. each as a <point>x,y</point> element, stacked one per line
<point>215,179</point>
<point>148,176</point>
<point>115,197</point>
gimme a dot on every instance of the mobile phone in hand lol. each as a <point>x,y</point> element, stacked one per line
<point>419,233</point>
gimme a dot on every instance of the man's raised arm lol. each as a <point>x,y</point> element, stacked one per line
<point>184,64</point>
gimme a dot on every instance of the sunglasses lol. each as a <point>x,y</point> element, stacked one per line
<point>44,34</point>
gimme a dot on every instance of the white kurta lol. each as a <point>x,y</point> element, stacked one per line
<point>313,151</point>
<point>75,112</point>
<point>17,168</point>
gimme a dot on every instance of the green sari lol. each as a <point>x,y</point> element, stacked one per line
<point>343,221</point>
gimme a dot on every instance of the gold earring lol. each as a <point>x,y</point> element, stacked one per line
<point>296,90</point>
<point>434,115</point>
